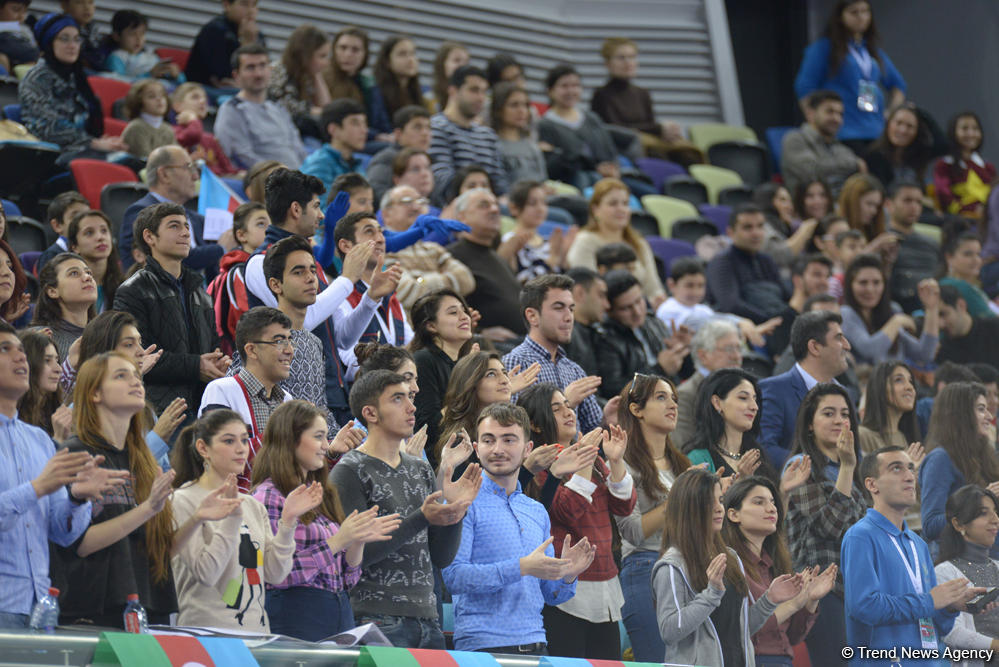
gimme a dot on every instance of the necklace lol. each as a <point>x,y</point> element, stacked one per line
<point>734,457</point>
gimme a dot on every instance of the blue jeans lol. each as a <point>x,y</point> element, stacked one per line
<point>639,611</point>
<point>773,661</point>
<point>407,631</point>
<point>13,621</point>
<point>312,614</point>
<point>828,636</point>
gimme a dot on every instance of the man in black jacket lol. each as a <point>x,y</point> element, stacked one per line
<point>634,342</point>
<point>589,291</point>
<point>172,309</point>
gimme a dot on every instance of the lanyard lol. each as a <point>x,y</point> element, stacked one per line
<point>864,60</point>
<point>917,581</point>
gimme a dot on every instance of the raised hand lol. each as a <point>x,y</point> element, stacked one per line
<point>338,207</point>
<point>384,282</point>
<point>784,588</point>
<point>749,462</point>
<point>724,482</point>
<point>414,446</point>
<point>94,481</point>
<point>62,423</point>
<point>356,260</point>
<point>716,571</point>
<point>464,489</point>
<point>542,457</point>
<point>929,293</point>
<point>522,379</point>
<point>795,474</point>
<point>916,453</point>
<point>844,448</point>
<point>615,442</point>
<point>574,458</point>
<point>171,417</point>
<point>302,499</point>
<point>148,358</point>
<point>220,503</point>
<point>456,451</point>
<point>538,564</point>
<point>610,410</point>
<point>579,390</point>
<point>160,491</point>
<point>347,438</point>
<point>578,558</point>
<point>820,585</point>
<point>59,471</point>
<point>438,514</point>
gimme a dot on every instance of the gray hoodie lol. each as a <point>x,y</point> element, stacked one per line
<point>685,616</point>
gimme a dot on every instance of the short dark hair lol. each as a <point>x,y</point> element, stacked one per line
<point>686,266</point>
<point>506,414</point>
<point>948,372</point>
<point>336,111</point>
<point>498,63</point>
<point>615,253</point>
<point>242,214</point>
<point>402,115</point>
<point>811,326</point>
<point>902,184</point>
<point>349,182</point>
<point>254,49</point>
<point>460,75</point>
<point>986,373</point>
<point>801,263</point>
<point>368,388</point>
<point>819,96</point>
<point>61,203</point>
<point>869,463</point>
<point>276,257</point>
<point>557,72</point>
<point>583,276</point>
<point>150,218</point>
<point>521,191</point>
<point>847,234</point>
<point>747,208</point>
<point>5,327</point>
<point>618,282</point>
<point>532,295</point>
<point>817,298</point>
<point>123,19</point>
<point>950,295</point>
<point>286,186</point>
<point>255,320</point>
<point>347,225</point>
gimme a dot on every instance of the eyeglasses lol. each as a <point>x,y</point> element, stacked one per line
<point>67,39</point>
<point>411,201</point>
<point>191,167</point>
<point>729,349</point>
<point>280,344</point>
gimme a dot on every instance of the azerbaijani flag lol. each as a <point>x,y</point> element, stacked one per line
<point>216,202</point>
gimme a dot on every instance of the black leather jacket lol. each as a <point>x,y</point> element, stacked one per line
<point>621,354</point>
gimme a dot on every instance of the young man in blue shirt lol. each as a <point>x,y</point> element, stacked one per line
<point>891,593</point>
<point>505,570</point>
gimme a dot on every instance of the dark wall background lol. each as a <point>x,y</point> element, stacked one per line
<point>946,51</point>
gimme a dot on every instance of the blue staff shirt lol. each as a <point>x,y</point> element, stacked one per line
<point>28,522</point>
<point>494,605</point>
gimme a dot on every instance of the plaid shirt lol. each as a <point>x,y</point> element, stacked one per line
<point>562,372</point>
<point>314,564</point>
<point>817,518</point>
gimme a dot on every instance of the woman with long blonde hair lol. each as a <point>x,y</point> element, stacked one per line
<point>610,222</point>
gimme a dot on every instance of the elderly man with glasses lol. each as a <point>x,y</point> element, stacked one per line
<point>173,178</point>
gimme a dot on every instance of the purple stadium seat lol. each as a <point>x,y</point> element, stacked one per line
<point>717,214</point>
<point>659,170</point>
<point>669,249</point>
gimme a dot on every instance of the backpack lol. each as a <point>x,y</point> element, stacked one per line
<point>230,297</point>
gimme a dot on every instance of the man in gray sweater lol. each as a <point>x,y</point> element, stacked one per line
<point>396,590</point>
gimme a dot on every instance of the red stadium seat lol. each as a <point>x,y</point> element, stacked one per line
<point>92,175</point>
<point>178,56</point>
<point>114,126</point>
<point>108,91</point>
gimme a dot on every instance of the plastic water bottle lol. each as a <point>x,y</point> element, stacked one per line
<point>135,616</point>
<point>45,615</point>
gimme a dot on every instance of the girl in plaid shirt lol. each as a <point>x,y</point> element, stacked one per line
<point>312,602</point>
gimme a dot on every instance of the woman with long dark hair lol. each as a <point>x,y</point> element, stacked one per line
<point>449,57</point>
<point>889,408</point>
<point>904,149</point>
<point>224,555</point>
<point>647,411</point>
<point>754,528</point>
<point>786,236</point>
<point>67,293</point>
<point>830,501</point>
<point>958,452</point>
<point>42,405</point>
<point>970,531</point>
<point>14,301</point>
<point>813,200</point>
<point>345,78</point>
<point>397,73</point>
<point>89,235</point>
<point>312,602</point>
<point>702,598</point>
<point>849,59</point>
<point>875,325</point>
<point>962,179</point>
<point>131,537</point>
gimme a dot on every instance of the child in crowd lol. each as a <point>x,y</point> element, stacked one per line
<point>146,104</point>
<point>93,52</point>
<point>130,59</point>
<point>688,285</point>
<point>964,178</point>
<point>17,42</point>
<point>190,105</point>
<point>836,240</point>
<point>614,256</point>
<point>249,225</point>
<point>64,206</point>
<point>215,43</point>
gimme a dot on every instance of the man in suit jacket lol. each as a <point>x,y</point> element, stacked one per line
<point>715,345</point>
<point>820,352</point>
<point>173,178</point>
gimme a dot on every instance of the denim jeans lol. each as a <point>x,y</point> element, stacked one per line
<point>828,636</point>
<point>13,621</point>
<point>312,614</point>
<point>406,631</point>
<point>639,611</point>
